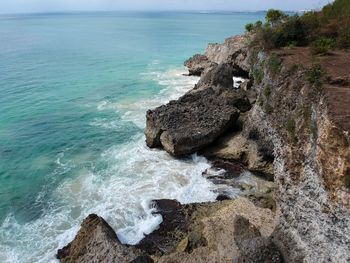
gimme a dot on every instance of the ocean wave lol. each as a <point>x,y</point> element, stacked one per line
<point>121,192</point>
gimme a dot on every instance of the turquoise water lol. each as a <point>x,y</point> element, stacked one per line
<point>74,91</point>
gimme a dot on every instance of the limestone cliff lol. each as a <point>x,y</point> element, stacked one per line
<point>288,122</point>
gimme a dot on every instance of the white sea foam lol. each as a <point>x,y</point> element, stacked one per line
<point>237,81</point>
<point>174,84</point>
<point>121,193</point>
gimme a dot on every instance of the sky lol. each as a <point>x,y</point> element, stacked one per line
<point>29,6</point>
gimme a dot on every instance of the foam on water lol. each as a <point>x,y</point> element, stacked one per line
<point>175,84</point>
<point>121,192</point>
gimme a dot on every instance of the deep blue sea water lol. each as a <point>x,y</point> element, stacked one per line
<point>74,89</point>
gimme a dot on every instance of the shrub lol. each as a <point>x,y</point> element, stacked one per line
<point>274,16</point>
<point>314,75</point>
<point>263,38</point>
<point>322,45</point>
<point>292,31</point>
<point>274,63</point>
<point>280,30</point>
<point>253,56</point>
<point>267,91</point>
<point>258,75</point>
<point>258,24</point>
<point>249,27</point>
<point>343,40</point>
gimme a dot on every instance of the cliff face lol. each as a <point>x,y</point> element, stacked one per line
<point>298,110</point>
<point>301,115</point>
<point>291,125</point>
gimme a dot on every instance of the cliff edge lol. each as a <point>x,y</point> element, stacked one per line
<point>287,122</point>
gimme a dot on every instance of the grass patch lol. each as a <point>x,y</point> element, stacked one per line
<point>253,57</point>
<point>322,46</point>
<point>267,91</point>
<point>258,75</point>
<point>314,75</point>
<point>274,63</point>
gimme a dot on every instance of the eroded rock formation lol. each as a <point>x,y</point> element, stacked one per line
<point>96,241</point>
<point>199,117</point>
<point>296,134</point>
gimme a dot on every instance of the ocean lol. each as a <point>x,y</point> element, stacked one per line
<point>74,90</point>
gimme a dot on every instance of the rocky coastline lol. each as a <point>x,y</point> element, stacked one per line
<point>278,138</point>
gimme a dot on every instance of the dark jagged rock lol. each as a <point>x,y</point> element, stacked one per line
<point>217,76</point>
<point>197,64</point>
<point>96,241</point>
<point>199,117</point>
<point>192,122</point>
<point>220,76</point>
<point>188,233</point>
<point>165,239</point>
<point>232,169</point>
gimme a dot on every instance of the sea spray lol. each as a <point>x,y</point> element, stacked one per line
<point>122,192</point>
<point>74,92</point>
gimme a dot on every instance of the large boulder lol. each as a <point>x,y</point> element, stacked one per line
<point>197,64</point>
<point>194,121</point>
<point>217,76</point>
<point>96,241</point>
<point>199,117</point>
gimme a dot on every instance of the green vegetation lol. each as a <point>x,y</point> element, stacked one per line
<point>253,58</point>
<point>274,63</point>
<point>274,16</point>
<point>258,75</point>
<point>323,30</point>
<point>314,75</point>
<point>267,91</point>
<point>249,27</point>
<point>322,45</point>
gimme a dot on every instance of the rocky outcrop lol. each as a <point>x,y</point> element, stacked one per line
<point>96,241</point>
<point>227,231</point>
<point>234,51</point>
<point>236,147</point>
<point>189,124</point>
<point>197,64</point>
<point>296,134</point>
<point>199,117</point>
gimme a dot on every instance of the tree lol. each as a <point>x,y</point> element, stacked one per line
<point>249,27</point>
<point>274,16</point>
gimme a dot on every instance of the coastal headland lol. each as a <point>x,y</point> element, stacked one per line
<point>286,124</point>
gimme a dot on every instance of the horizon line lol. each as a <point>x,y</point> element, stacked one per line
<point>146,11</point>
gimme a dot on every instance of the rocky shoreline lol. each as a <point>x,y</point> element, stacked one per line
<point>278,139</point>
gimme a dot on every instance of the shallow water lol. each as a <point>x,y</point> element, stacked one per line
<point>74,92</point>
